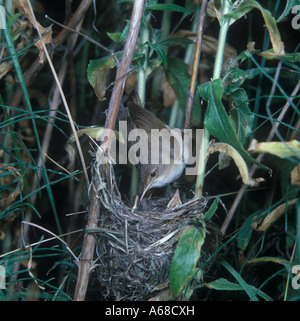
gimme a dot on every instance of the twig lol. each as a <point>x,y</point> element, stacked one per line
<point>57,237</point>
<point>88,246</point>
<point>96,43</point>
<point>74,21</point>
<point>191,94</point>
<point>87,253</point>
<point>39,242</point>
<point>124,67</point>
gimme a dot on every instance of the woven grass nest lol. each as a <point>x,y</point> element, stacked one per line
<point>135,247</point>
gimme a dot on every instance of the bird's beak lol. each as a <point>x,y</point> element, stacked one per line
<point>144,191</point>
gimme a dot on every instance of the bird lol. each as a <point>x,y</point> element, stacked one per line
<point>169,145</point>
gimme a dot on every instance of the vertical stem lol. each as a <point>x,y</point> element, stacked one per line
<point>176,116</point>
<point>87,253</point>
<point>141,87</point>
<point>224,25</point>
<point>142,71</point>
<point>165,27</point>
<point>88,246</point>
<point>198,47</point>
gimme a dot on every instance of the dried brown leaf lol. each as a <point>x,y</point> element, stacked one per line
<point>273,216</point>
<point>23,7</point>
<point>9,177</point>
<point>295,175</point>
<point>169,95</point>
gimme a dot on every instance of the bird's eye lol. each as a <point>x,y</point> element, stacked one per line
<point>153,174</point>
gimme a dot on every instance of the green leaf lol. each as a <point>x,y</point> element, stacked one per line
<point>247,288</point>
<point>224,285</point>
<point>167,7</point>
<point>208,215</point>
<point>179,78</point>
<point>115,36</point>
<point>175,41</point>
<point>289,5</point>
<point>241,117</point>
<point>244,7</point>
<point>217,121</point>
<point>235,76</point>
<point>246,232</point>
<point>119,36</point>
<point>158,48</point>
<point>186,255</point>
<point>13,19</point>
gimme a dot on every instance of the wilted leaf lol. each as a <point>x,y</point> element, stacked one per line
<point>168,92</point>
<point>270,54</point>
<point>186,255</point>
<point>5,67</point>
<point>273,216</point>
<point>130,83</point>
<point>93,132</point>
<point>97,70</point>
<point>11,185</point>
<point>214,8</point>
<point>96,74</point>
<point>266,259</point>
<point>46,33</point>
<point>238,160</point>
<point>295,175</point>
<point>279,149</point>
<point>244,7</point>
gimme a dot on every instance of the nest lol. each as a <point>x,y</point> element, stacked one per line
<point>135,247</point>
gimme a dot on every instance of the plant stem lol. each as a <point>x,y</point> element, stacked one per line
<point>177,116</point>
<point>224,25</point>
<point>142,71</point>
<point>158,75</point>
<point>141,87</point>
<point>197,55</point>
<point>89,242</point>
